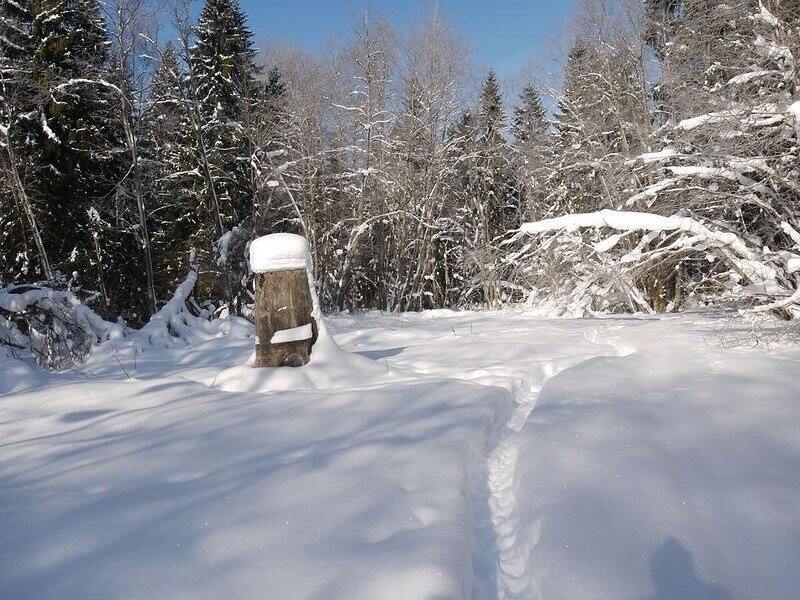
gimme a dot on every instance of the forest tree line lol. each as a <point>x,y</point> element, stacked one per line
<point>136,148</point>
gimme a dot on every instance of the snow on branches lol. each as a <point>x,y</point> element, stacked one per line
<point>52,328</point>
<point>174,320</point>
<point>648,262</point>
<point>55,329</point>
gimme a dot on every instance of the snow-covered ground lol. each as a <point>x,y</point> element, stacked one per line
<point>449,455</point>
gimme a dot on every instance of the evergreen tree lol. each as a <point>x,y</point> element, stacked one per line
<point>16,19</point>
<point>597,128</point>
<point>273,108</point>
<point>22,259</point>
<point>274,86</point>
<point>577,185</point>
<point>530,117</point>
<point>222,88</point>
<point>532,153</point>
<point>66,150</point>
<point>82,115</point>
<point>492,118</point>
<point>496,206</point>
<point>223,84</point>
<point>174,185</point>
<point>493,163</point>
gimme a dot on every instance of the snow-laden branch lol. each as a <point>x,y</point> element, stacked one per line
<point>75,82</point>
<point>760,268</point>
<point>785,303</point>
<point>792,233</point>
<point>634,221</point>
<point>173,320</point>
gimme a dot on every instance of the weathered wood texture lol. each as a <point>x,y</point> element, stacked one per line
<point>283,301</point>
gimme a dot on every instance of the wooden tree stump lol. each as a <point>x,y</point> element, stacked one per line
<point>286,329</point>
<point>284,304</point>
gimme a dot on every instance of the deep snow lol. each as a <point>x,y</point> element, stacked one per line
<point>445,455</point>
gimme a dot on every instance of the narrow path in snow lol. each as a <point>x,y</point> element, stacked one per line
<point>501,554</point>
<point>520,359</point>
<point>502,461</point>
<point>501,557</point>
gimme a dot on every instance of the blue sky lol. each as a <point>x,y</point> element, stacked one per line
<point>504,34</point>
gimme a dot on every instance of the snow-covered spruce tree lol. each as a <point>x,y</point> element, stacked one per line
<point>219,86</point>
<point>495,205</point>
<point>587,172</point>
<point>602,121</point>
<point>171,192</point>
<point>222,81</point>
<point>204,179</point>
<point>580,181</point>
<point>21,235</point>
<point>64,136</point>
<point>532,153</point>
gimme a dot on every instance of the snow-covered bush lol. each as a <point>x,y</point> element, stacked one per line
<point>614,261</point>
<point>52,328</point>
<point>55,329</point>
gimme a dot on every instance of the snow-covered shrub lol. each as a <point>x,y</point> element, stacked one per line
<point>614,261</point>
<point>755,329</point>
<point>55,329</point>
<point>52,328</point>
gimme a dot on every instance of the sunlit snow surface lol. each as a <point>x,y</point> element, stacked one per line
<point>483,455</point>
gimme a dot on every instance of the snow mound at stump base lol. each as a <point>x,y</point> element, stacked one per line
<point>330,366</point>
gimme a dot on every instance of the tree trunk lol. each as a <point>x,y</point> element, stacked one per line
<point>25,204</point>
<point>136,174</point>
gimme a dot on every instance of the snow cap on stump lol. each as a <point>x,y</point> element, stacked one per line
<point>279,252</point>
